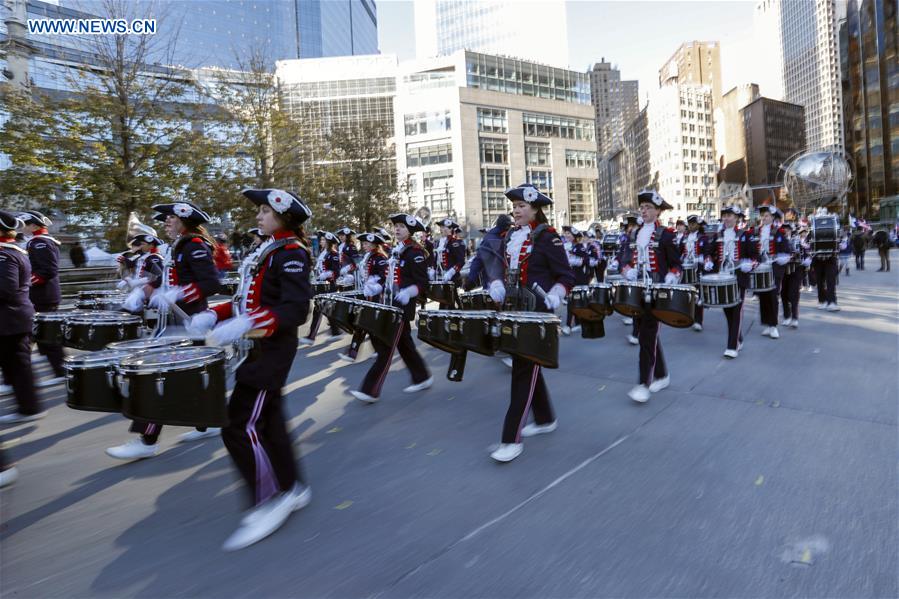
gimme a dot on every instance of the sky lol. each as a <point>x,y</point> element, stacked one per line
<point>636,35</point>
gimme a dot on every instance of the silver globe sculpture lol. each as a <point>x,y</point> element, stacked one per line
<point>817,179</point>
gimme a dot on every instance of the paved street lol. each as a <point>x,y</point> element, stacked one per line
<point>773,475</point>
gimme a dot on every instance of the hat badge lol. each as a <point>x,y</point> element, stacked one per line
<point>279,203</point>
<point>530,194</point>
<point>182,210</point>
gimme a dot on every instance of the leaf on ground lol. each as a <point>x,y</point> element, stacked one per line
<point>343,505</point>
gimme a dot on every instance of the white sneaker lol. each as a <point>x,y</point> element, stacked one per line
<point>425,384</point>
<point>821,305</point>
<point>299,497</point>
<point>533,429</point>
<point>264,521</point>
<point>346,358</point>
<point>628,321</point>
<point>15,417</point>
<point>507,362</point>
<point>363,396</point>
<point>4,389</point>
<point>576,329</point>
<point>196,435</point>
<point>566,330</point>
<point>795,323</point>
<point>133,450</point>
<point>766,331</point>
<point>507,452</point>
<point>730,353</point>
<point>774,334</point>
<point>659,384</point>
<point>788,322</point>
<point>833,308</point>
<point>739,345</point>
<point>697,327</point>
<point>9,476</point>
<point>306,342</point>
<point>639,394</point>
<point>57,380</point>
<point>633,340</point>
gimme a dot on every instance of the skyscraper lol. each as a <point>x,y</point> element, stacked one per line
<point>616,104</point>
<point>500,27</point>
<point>695,63</point>
<point>803,36</point>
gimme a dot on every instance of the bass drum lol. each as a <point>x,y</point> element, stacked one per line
<point>181,386</point>
<point>824,235</point>
<point>91,381</point>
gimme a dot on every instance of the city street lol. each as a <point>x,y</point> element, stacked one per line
<point>773,475</point>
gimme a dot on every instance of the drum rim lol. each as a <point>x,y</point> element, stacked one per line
<point>207,356</point>
<point>101,317</point>
<point>95,358</point>
<point>175,342</point>
<point>676,286</point>
<point>476,314</point>
<point>602,285</point>
<point>718,278</point>
<point>540,317</point>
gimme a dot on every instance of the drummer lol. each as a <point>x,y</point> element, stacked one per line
<point>373,270</point>
<point>792,282</point>
<point>579,261</point>
<point>192,279</point>
<point>43,253</point>
<point>775,245</point>
<point>695,247</point>
<point>406,279</point>
<point>680,232</point>
<point>535,255</point>
<point>657,257</point>
<point>449,259</point>
<point>271,309</point>
<point>328,266</point>
<point>487,262</point>
<point>348,253</point>
<point>385,235</point>
<point>16,322</point>
<point>147,266</point>
<point>256,238</point>
<point>627,254</point>
<point>733,248</point>
<point>597,259</point>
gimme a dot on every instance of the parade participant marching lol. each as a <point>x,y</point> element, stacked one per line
<point>792,282</point>
<point>657,260</point>
<point>256,238</point>
<point>733,247</point>
<point>535,255</point>
<point>772,243</point>
<point>680,232</point>
<point>406,279</point>
<point>16,322</point>
<point>147,268</point>
<point>43,253</point>
<point>348,253</point>
<point>487,264</point>
<point>579,259</point>
<point>626,241</point>
<point>192,278</point>
<point>825,268</point>
<point>449,258</point>
<point>373,273</point>
<point>694,248</point>
<point>328,269</point>
<point>597,260</point>
<point>269,309</point>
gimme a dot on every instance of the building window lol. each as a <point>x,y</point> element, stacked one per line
<point>536,154</point>
<point>495,178</point>
<point>580,158</point>
<point>420,123</point>
<point>581,199</point>
<point>438,191</point>
<point>427,155</point>
<point>546,125</point>
<point>494,152</point>
<point>491,120</point>
<point>542,180</point>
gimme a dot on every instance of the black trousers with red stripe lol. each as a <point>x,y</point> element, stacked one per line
<point>790,293</point>
<point>15,363</point>
<point>529,393</point>
<point>377,374</point>
<point>652,359</point>
<point>734,318</point>
<point>257,440</point>
<point>52,351</point>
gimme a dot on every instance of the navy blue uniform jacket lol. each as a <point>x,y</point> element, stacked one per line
<point>43,253</point>
<point>16,310</point>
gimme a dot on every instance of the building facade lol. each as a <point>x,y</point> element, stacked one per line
<point>695,63</point>
<point>773,132</point>
<point>869,53</point>
<point>730,142</point>
<point>498,27</point>
<point>804,38</point>
<point>471,125</point>
<point>615,102</point>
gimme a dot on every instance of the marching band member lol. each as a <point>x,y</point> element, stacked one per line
<point>733,246</point>
<point>16,322</point>
<point>487,262</point>
<point>269,310</point>
<point>385,235</point>
<point>407,276</point>
<point>658,257</point>
<point>680,232</point>
<point>328,267</point>
<point>450,256</point>
<point>773,243</point>
<point>627,245</point>
<point>192,279</point>
<point>579,259</point>
<point>348,254</point>
<point>695,244</point>
<point>146,265</point>
<point>373,271</point>
<point>792,283</point>
<point>535,254</point>
<point>256,238</point>
<point>43,253</point>
<point>825,268</point>
<point>597,259</point>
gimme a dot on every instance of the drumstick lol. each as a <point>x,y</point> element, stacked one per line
<point>178,311</point>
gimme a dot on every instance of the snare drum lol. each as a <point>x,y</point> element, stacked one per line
<point>533,336</point>
<point>443,293</point>
<point>476,300</point>
<point>90,381</point>
<point>719,290</point>
<point>761,279</point>
<point>378,320</point>
<point>97,293</point>
<point>629,298</point>
<point>473,330</point>
<point>321,287</point>
<point>600,298</point>
<point>434,329</point>
<point>674,304</point>
<point>136,345</point>
<point>346,288</point>
<point>109,303</point>
<point>339,308</point>
<point>690,273</point>
<point>95,330</point>
<point>182,386</point>
<point>580,300</point>
<point>823,237</point>
<point>49,327</point>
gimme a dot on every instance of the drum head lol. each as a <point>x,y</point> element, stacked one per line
<point>101,317</point>
<point>719,278</point>
<point>104,357</point>
<point>150,343</point>
<point>537,317</point>
<point>171,358</point>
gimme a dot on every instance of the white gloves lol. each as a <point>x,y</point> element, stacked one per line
<point>613,264</point>
<point>807,262</point>
<point>326,276</point>
<point>122,284</point>
<point>432,274</point>
<point>346,270</point>
<point>406,293</point>
<point>709,265</point>
<point>161,300</point>
<point>575,260</point>
<point>782,259</point>
<point>555,296</point>
<point>746,266</point>
<point>134,301</point>
<point>371,287</point>
<point>631,274</point>
<point>671,279</point>
<point>497,292</point>
<point>346,280</point>
<point>449,274</point>
<point>201,323</point>
<point>229,331</point>
<point>593,262</point>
